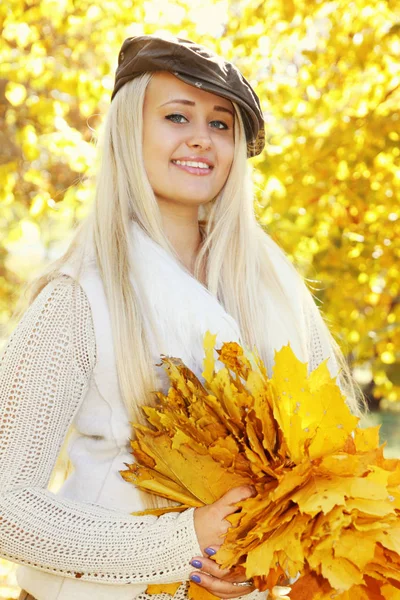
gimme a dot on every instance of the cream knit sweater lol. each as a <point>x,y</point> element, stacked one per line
<point>55,372</point>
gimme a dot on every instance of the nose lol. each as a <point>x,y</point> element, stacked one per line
<point>200,138</point>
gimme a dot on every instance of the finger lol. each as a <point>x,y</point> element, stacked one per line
<point>226,504</point>
<point>219,587</point>
<point>206,565</point>
<point>237,574</point>
<point>211,550</point>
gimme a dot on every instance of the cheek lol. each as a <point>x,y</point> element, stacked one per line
<point>156,155</point>
<point>227,154</point>
<point>150,146</point>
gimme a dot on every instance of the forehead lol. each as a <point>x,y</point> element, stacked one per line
<point>164,87</point>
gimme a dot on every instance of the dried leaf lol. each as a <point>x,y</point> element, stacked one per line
<point>323,485</point>
<point>163,588</point>
<point>197,592</point>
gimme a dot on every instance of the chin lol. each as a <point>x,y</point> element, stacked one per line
<point>199,196</point>
<point>195,201</point>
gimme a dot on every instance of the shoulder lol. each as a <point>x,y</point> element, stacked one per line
<point>61,314</point>
<point>63,296</point>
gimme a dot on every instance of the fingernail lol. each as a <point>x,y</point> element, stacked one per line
<point>195,578</point>
<point>210,551</point>
<point>196,563</point>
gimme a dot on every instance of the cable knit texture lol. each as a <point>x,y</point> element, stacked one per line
<point>51,370</point>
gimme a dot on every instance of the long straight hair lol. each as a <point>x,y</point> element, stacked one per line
<point>235,252</point>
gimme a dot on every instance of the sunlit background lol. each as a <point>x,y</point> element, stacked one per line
<point>328,75</point>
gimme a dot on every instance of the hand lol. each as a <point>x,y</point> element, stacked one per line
<point>211,525</point>
<point>217,581</point>
<point>210,522</point>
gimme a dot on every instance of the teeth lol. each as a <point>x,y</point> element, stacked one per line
<point>192,163</point>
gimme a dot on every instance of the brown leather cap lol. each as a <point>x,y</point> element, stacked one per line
<point>197,66</point>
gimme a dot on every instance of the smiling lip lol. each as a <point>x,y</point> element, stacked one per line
<point>194,170</point>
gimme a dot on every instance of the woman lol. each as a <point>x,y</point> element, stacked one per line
<point>171,248</point>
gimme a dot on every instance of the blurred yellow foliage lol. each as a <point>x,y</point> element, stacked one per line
<point>327,184</point>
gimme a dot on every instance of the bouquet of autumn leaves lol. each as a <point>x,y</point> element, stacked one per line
<point>328,502</point>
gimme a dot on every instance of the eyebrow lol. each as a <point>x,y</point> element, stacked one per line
<point>191,103</point>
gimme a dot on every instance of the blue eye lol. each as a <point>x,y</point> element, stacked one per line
<point>225,126</point>
<point>174,117</point>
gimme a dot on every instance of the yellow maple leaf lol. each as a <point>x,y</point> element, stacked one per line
<point>152,481</point>
<point>163,588</point>
<point>287,539</point>
<point>366,439</point>
<point>390,593</point>
<point>363,542</point>
<point>311,411</point>
<point>209,361</point>
<point>341,573</point>
<point>197,592</point>
<point>191,467</point>
<point>323,486</point>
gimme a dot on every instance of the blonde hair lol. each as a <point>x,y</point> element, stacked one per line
<point>235,252</point>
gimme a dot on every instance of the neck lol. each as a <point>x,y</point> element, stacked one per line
<point>182,229</point>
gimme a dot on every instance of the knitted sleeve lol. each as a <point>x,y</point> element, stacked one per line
<point>44,374</point>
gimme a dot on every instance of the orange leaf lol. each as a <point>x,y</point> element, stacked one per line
<point>197,592</point>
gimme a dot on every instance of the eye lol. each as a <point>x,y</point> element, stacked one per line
<point>224,125</point>
<point>174,117</point>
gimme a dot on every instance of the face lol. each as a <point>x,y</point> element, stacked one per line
<point>188,141</point>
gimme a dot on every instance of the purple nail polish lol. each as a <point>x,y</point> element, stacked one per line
<point>195,578</point>
<point>196,563</point>
<point>210,551</point>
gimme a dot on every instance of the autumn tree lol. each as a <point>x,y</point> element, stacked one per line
<point>328,76</point>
